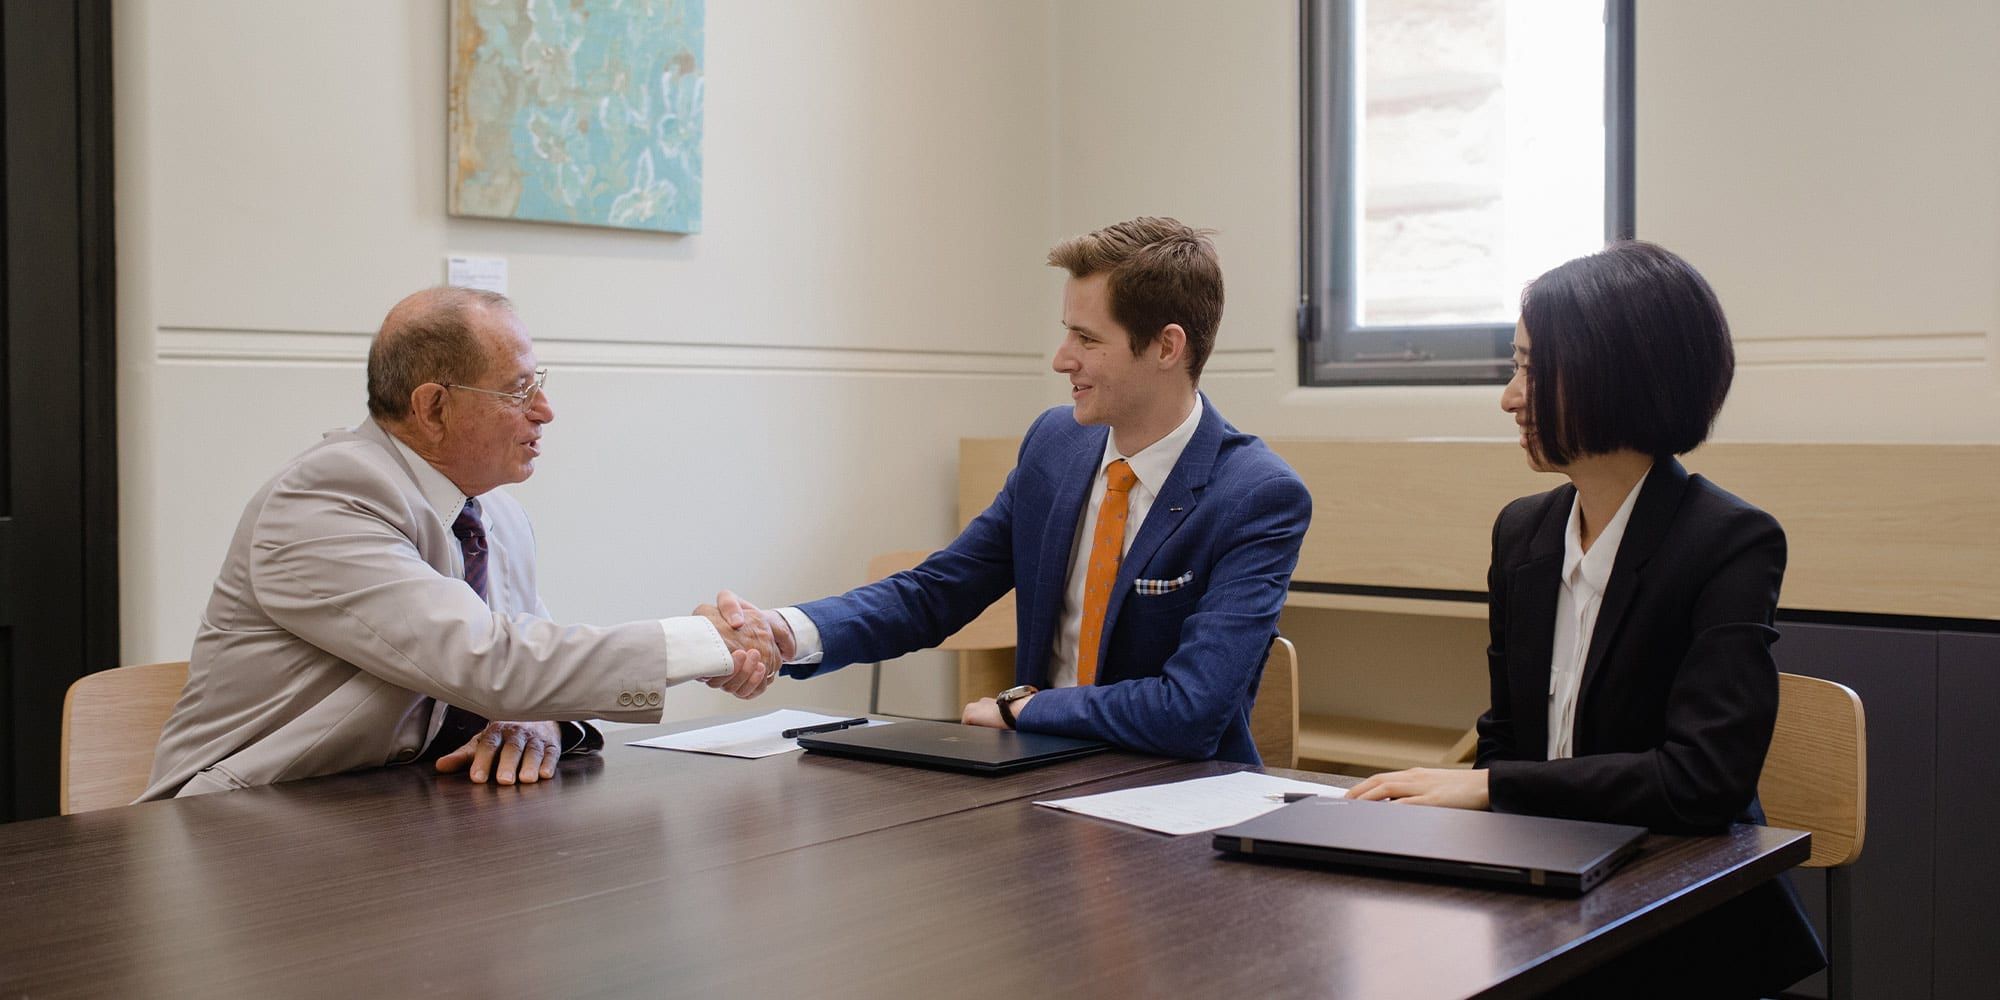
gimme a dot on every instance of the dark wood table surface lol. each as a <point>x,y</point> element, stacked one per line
<point>655,873</point>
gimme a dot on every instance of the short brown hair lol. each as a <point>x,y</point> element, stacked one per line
<point>1161,272</point>
<point>427,337</point>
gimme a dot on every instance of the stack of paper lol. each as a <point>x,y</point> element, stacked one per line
<point>758,737</point>
<point>1195,805</point>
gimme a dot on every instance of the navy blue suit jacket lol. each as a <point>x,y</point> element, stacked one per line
<point>1177,671</point>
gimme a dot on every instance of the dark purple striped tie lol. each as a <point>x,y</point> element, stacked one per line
<point>472,541</point>
<point>460,725</point>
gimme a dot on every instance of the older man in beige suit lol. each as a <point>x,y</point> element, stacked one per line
<point>378,603</point>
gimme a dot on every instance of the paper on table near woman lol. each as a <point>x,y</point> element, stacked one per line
<point>1194,805</point>
<point>758,737</point>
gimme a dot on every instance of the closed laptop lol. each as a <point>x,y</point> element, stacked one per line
<point>1555,855</point>
<point>951,746</point>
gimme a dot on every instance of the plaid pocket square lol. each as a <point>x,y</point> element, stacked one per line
<point>1155,588</point>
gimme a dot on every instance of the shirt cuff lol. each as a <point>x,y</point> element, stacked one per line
<point>694,649</point>
<point>805,637</point>
<point>580,738</point>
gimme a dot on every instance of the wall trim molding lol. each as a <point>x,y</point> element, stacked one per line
<point>235,346</point>
<point>1241,361</point>
<point>1947,348</point>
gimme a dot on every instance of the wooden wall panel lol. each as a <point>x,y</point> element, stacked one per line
<point>1873,528</point>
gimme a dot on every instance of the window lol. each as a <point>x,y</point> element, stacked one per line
<point>1453,150</point>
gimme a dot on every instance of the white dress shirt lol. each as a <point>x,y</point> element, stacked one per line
<point>1584,577</point>
<point>1151,465</point>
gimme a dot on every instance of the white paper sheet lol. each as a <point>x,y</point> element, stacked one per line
<point>489,273</point>
<point>758,737</point>
<point>1192,806</point>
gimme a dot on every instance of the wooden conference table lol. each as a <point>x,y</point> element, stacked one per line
<point>656,873</point>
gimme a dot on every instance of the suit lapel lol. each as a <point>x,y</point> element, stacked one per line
<point>1532,592</point>
<point>1172,505</point>
<point>1659,498</point>
<point>1078,475</point>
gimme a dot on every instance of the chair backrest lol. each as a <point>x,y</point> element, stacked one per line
<point>1274,718</point>
<point>993,629</point>
<point>1816,776</point>
<point>111,723</point>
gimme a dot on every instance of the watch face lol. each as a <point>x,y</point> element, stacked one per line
<point>1015,693</point>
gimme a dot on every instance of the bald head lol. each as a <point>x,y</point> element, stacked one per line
<point>431,336</point>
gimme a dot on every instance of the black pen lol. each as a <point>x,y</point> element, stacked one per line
<point>824,727</point>
<point>1290,797</point>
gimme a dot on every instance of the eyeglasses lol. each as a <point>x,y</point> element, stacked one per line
<point>523,399</point>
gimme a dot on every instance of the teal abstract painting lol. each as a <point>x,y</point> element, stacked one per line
<point>578,111</point>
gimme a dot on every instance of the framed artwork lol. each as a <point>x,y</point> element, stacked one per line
<point>579,111</point>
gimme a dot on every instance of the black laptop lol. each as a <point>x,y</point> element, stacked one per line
<point>951,746</point>
<point>1555,855</point>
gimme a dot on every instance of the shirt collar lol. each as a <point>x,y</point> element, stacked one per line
<point>445,498</point>
<point>1594,567</point>
<point>1156,461</point>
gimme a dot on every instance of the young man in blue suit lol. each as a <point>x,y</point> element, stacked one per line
<point>1150,542</point>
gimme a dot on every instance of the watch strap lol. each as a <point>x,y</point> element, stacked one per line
<point>1006,699</point>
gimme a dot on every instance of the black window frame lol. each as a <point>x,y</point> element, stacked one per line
<point>1334,350</point>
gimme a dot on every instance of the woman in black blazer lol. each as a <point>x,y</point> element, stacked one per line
<point>1631,610</point>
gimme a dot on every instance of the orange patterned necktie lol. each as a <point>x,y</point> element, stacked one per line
<point>1107,544</point>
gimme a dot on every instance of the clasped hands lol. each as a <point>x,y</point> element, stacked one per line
<point>759,643</point>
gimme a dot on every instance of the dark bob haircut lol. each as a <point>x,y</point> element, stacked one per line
<point>1628,348</point>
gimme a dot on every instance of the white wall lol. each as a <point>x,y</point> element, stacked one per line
<point>762,406</point>
<point>766,403</point>
<point>1835,170</point>
<point>1833,167</point>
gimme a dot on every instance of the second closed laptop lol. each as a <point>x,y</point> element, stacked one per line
<point>949,745</point>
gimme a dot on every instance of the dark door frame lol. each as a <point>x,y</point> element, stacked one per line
<point>59,484</point>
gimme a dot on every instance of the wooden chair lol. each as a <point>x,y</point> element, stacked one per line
<point>1274,717</point>
<point>1465,751</point>
<point>985,647</point>
<point>111,722</point>
<point>1816,776</point>
<point>1816,779</point>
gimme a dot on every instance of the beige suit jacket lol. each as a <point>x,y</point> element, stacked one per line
<point>341,612</point>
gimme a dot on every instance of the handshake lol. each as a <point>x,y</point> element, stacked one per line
<point>759,643</point>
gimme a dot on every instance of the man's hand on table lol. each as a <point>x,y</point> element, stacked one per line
<point>986,712</point>
<point>526,752</point>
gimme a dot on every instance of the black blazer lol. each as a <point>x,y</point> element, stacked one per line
<point>1675,711</point>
